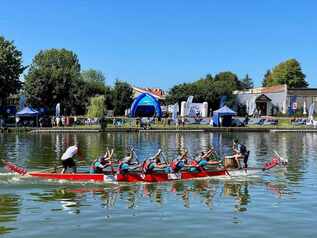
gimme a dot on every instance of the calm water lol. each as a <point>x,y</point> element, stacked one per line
<point>281,203</point>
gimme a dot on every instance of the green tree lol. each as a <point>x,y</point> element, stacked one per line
<point>267,80</point>
<point>181,92</point>
<point>247,82</point>
<point>289,72</point>
<point>207,89</point>
<point>95,81</point>
<point>54,76</point>
<point>96,107</point>
<point>10,69</point>
<point>230,78</point>
<point>122,97</point>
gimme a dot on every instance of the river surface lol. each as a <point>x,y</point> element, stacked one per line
<point>278,203</point>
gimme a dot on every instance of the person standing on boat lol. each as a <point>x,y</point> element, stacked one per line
<point>67,158</point>
<point>103,162</point>
<point>240,152</point>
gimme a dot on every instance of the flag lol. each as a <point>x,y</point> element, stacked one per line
<point>58,110</point>
<point>293,105</point>
<point>174,111</point>
<point>311,111</point>
<point>188,104</point>
<point>222,101</point>
<point>304,108</point>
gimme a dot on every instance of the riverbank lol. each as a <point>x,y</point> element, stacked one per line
<point>173,129</point>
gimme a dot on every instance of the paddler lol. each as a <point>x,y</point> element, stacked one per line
<point>67,158</point>
<point>210,153</point>
<point>240,152</point>
<point>126,163</point>
<point>203,160</point>
<point>152,163</point>
<point>103,162</point>
<point>180,162</point>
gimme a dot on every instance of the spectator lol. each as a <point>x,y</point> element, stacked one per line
<point>246,120</point>
<point>183,121</point>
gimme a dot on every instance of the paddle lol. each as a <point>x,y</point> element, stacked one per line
<point>219,159</point>
<point>135,155</point>
<point>49,169</point>
<point>284,161</point>
<point>165,158</point>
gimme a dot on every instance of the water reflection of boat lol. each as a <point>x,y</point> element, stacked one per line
<point>240,192</point>
<point>204,191</point>
<point>9,210</point>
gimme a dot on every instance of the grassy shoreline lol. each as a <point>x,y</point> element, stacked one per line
<point>188,128</point>
<point>284,124</point>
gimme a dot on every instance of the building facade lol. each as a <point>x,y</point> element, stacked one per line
<point>158,93</point>
<point>276,100</point>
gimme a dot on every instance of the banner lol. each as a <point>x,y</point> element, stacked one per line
<point>311,111</point>
<point>174,111</point>
<point>293,105</point>
<point>22,101</point>
<point>188,104</point>
<point>58,110</point>
<point>195,109</point>
<point>222,101</point>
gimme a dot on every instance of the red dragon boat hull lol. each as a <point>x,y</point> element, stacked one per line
<point>164,177</point>
<point>69,176</point>
<point>141,177</point>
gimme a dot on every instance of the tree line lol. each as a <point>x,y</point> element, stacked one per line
<point>211,89</point>
<point>55,76</point>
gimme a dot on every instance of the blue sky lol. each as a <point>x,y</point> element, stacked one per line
<point>161,43</point>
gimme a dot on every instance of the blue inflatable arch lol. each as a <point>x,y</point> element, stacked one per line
<point>145,105</point>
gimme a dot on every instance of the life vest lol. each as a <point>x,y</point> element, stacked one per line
<point>93,166</point>
<point>120,170</point>
<point>174,164</point>
<point>146,166</point>
<point>194,163</point>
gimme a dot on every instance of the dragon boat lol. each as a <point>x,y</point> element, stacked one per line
<point>138,176</point>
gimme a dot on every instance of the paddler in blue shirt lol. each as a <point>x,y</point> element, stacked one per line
<point>180,162</point>
<point>202,161</point>
<point>126,163</point>
<point>103,162</point>
<point>152,163</point>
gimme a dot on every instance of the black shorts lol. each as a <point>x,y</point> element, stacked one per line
<point>245,160</point>
<point>68,163</point>
<point>98,170</point>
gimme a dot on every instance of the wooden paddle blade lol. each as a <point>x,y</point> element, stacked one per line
<point>10,167</point>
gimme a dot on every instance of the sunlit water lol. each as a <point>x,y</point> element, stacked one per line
<point>279,203</point>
